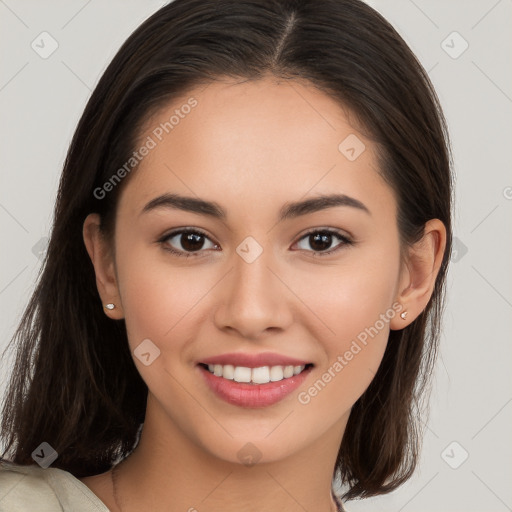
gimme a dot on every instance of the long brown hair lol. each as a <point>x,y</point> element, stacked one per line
<point>74,383</point>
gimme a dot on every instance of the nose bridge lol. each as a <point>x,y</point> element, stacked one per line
<point>254,297</point>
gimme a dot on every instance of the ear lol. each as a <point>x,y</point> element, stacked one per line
<point>102,258</point>
<point>419,273</point>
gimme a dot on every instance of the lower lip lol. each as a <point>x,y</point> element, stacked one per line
<point>252,395</point>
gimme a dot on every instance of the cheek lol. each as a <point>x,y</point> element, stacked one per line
<point>353,351</point>
<point>348,298</point>
<point>354,306</point>
<point>157,297</point>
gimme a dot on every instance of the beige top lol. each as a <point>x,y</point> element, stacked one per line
<point>32,488</point>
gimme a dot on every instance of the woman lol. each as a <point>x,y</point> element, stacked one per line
<point>241,300</point>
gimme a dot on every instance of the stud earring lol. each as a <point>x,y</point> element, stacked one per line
<point>403,315</point>
<point>110,306</point>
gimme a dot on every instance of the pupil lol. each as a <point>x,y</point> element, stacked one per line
<point>320,241</point>
<point>192,241</point>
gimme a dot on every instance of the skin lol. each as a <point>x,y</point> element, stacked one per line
<point>252,147</point>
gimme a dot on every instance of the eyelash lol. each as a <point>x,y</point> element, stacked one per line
<point>346,241</point>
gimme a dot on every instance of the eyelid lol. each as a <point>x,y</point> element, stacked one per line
<point>333,231</point>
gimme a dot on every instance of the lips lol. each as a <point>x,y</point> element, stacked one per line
<point>254,360</point>
<point>251,395</point>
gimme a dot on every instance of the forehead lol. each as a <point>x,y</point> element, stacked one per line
<point>255,141</point>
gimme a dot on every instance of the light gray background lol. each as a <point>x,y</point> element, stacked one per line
<point>41,101</point>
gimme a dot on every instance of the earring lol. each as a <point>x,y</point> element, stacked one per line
<point>403,315</point>
<point>110,306</point>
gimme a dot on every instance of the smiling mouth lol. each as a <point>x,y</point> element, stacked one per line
<point>255,376</point>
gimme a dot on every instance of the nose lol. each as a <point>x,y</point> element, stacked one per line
<point>254,298</point>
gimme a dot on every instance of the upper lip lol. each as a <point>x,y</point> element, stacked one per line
<point>254,360</point>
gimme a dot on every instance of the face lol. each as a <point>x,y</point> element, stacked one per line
<point>253,274</point>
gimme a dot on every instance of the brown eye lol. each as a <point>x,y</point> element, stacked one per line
<point>320,241</point>
<point>191,241</point>
<point>186,241</point>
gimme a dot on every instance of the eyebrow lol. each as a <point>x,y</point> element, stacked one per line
<point>290,210</point>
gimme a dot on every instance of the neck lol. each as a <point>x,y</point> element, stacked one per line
<point>168,471</point>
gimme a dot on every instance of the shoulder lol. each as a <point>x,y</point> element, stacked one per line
<point>23,486</point>
<point>52,490</point>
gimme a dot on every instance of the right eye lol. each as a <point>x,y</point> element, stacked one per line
<point>186,242</point>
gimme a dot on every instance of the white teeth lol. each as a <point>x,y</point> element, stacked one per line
<point>288,371</point>
<point>228,371</point>
<point>276,373</point>
<point>261,375</point>
<point>242,374</point>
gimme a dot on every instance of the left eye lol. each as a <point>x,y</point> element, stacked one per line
<point>321,240</point>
